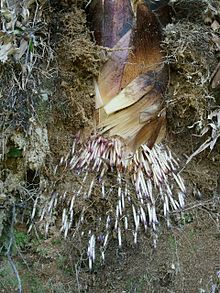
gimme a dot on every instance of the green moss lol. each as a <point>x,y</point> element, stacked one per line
<point>14,152</point>
<point>21,239</point>
<point>186,218</point>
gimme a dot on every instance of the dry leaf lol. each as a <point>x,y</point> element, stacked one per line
<point>22,49</point>
<point>215,79</point>
<point>5,51</point>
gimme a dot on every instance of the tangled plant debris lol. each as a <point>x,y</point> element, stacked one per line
<point>24,47</point>
<point>25,57</point>
<point>192,51</point>
<point>21,40</point>
<point>213,127</point>
<point>192,55</point>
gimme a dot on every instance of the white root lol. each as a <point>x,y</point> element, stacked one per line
<point>150,172</point>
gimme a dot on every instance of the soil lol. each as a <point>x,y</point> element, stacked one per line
<point>187,256</point>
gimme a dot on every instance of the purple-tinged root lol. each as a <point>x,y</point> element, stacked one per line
<point>146,183</point>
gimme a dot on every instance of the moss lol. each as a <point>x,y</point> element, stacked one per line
<point>14,152</point>
<point>21,239</point>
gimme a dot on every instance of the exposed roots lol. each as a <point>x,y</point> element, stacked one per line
<point>143,184</point>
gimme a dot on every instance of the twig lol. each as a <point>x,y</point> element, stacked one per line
<point>23,259</point>
<point>77,278</point>
<point>194,206</point>
<point>9,250</point>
